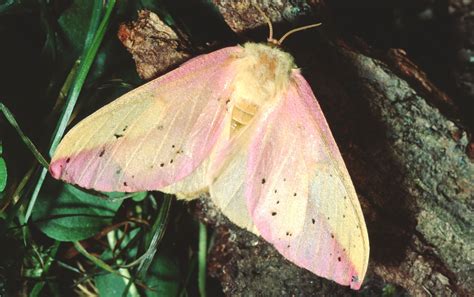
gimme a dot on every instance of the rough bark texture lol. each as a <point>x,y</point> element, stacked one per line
<point>462,70</point>
<point>406,150</point>
<point>154,45</point>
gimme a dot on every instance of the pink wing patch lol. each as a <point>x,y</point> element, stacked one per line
<point>154,135</point>
<point>299,193</point>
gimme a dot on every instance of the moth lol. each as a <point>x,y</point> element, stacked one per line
<point>242,124</point>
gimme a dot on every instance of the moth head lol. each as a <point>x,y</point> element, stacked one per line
<point>278,42</point>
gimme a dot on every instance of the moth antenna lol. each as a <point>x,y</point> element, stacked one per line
<point>280,41</point>
<point>269,23</point>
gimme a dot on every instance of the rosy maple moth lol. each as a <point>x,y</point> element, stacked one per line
<point>242,124</point>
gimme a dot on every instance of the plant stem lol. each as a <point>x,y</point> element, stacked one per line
<point>202,252</point>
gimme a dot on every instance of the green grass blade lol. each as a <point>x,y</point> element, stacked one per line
<point>85,66</point>
<point>11,119</point>
<point>202,253</point>
<point>192,267</point>
<point>151,242</point>
<point>94,23</point>
<point>98,262</point>
<point>158,230</point>
<point>39,286</point>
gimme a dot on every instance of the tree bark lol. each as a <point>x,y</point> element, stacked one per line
<point>403,142</point>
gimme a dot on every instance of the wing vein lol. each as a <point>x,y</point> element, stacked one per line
<point>94,158</point>
<point>115,147</point>
<point>171,126</point>
<point>139,146</point>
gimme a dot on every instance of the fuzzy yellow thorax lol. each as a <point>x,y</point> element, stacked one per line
<point>263,75</point>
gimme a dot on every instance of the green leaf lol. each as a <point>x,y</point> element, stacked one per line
<point>163,277</point>
<point>140,196</point>
<point>3,171</point>
<point>72,214</point>
<point>75,22</point>
<point>111,285</point>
